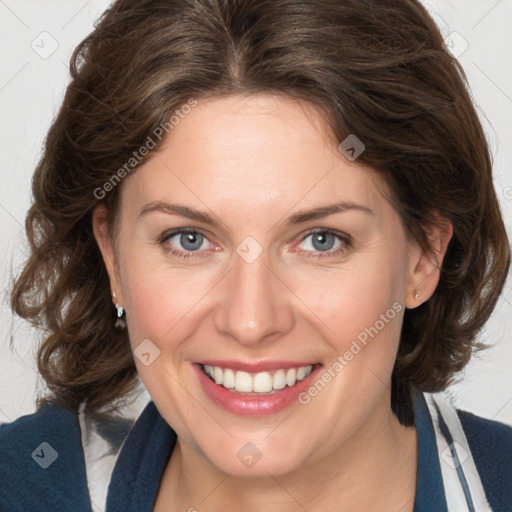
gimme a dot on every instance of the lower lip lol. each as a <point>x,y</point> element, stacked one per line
<point>254,405</point>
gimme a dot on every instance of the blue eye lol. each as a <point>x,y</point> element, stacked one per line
<point>323,241</point>
<point>189,239</point>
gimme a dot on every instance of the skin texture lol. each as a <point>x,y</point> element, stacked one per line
<point>251,162</point>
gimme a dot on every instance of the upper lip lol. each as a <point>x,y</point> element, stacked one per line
<point>253,367</point>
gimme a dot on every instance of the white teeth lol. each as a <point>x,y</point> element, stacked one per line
<point>228,379</point>
<point>279,380</point>
<point>262,382</point>
<point>243,382</point>
<point>217,375</point>
<point>302,372</point>
<point>291,376</point>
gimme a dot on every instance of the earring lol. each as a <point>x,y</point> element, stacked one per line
<point>120,311</point>
<point>416,296</point>
<point>120,323</point>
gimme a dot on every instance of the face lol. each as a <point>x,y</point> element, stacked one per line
<point>221,271</point>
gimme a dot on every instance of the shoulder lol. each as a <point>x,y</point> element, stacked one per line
<point>490,443</point>
<point>42,466</point>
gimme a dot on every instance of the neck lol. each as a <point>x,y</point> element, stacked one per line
<point>374,470</point>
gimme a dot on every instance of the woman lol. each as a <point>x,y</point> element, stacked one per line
<point>280,216</point>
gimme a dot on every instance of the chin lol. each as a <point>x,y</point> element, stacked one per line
<point>259,457</point>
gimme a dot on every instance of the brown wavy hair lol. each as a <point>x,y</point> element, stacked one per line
<point>377,68</point>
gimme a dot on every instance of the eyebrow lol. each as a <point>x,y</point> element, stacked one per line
<point>324,211</point>
<point>297,218</point>
<point>183,211</point>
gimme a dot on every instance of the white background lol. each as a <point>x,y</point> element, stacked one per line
<point>31,88</point>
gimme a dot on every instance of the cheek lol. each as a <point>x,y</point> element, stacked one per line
<point>154,304</point>
<point>361,311</point>
<point>350,301</point>
<point>161,302</point>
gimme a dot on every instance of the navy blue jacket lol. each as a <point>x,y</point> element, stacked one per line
<point>26,486</point>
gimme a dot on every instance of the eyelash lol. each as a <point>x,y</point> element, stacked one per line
<point>344,239</point>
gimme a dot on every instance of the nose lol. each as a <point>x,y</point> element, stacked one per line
<point>254,304</point>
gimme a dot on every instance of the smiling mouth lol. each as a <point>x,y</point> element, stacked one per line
<point>256,383</point>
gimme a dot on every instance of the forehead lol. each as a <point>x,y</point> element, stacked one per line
<point>253,152</point>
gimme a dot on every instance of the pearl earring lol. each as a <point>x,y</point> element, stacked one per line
<point>416,296</point>
<point>120,323</point>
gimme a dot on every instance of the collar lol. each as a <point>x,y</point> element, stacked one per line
<point>430,494</point>
<point>135,467</point>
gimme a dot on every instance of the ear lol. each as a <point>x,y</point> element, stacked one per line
<point>104,239</point>
<point>424,265</point>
